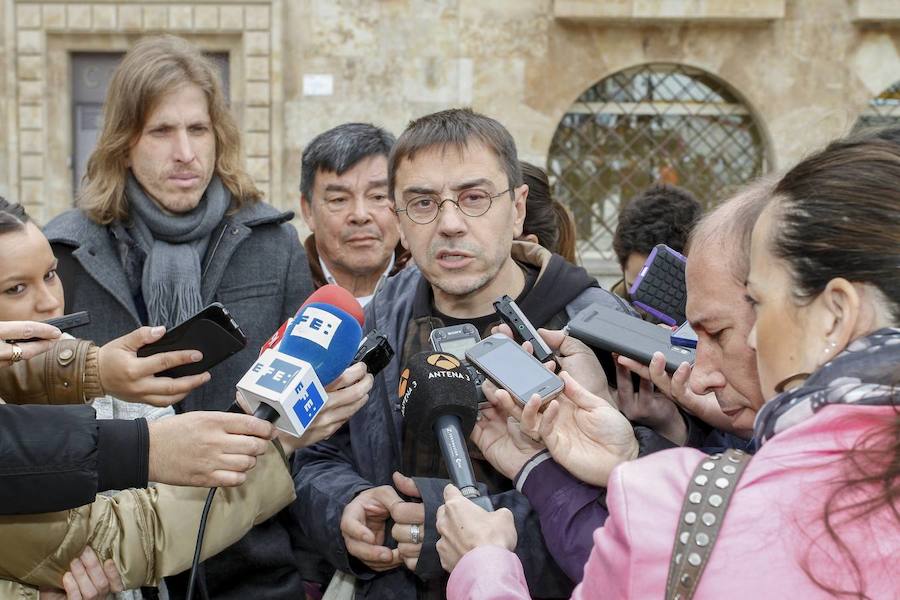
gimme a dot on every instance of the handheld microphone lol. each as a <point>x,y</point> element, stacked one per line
<point>335,295</point>
<point>438,398</point>
<point>286,385</point>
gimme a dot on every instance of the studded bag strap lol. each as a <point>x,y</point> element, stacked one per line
<point>707,497</point>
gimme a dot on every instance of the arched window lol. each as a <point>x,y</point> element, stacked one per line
<point>654,123</point>
<point>883,110</point>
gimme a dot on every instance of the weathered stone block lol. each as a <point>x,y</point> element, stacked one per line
<point>257,93</point>
<point>31,166</point>
<point>30,67</point>
<point>156,18</point>
<point>30,41</point>
<point>257,68</point>
<point>231,18</point>
<point>31,195</point>
<point>31,91</point>
<point>258,169</point>
<point>206,18</point>
<point>54,16</point>
<point>78,16</point>
<point>104,17</point>
<point>256,144</point>
<point>129,17</point>
<point>31,116</point>
<point>28,16</point>
<point>256,43</point>
<point>31,142</point>
<point>258,17</point>
<point>256,119</point>
<point>181,17</point>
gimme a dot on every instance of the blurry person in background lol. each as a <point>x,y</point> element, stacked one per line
<point>547,222</point>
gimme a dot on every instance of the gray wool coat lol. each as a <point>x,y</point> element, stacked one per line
<point>255,266</point>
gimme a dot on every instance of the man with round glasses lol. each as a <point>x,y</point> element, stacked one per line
<point>456,183</point>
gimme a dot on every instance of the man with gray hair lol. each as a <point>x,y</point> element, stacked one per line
<point>345,203</point>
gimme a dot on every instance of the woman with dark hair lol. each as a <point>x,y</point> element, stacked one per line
<point>816,511</point>
<point>547,222</point>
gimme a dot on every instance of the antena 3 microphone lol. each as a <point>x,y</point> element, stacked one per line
<point>438,398</point>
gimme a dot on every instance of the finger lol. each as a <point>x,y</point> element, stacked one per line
<point>633,366</point>
<point>369,553</point>
<point>451,492</point>
<point>139,338</point>
<point>528,347</point>
<point>348,377</point>
<point>548,422</point>
<point>406,485</point>
<point>410,563</point>
<point>94,571</point>
<point>408,513</point>
<point>579,396</point>
<point>624,387</point>
<point>116,584</point>
<point>531,417</point>
<point>25,330</point>
<point>506,405</point>
<point>658,374</point>
<point>246,425</point>
<point>29,349</point>
<point>221,478</point>
<point>503,329</point>
<point>350,394</point>
<point>409,551</point>
<point>353,524</point>
<point>238,463</point>
<point>157,363</point>
<point>71,587</point>
<point>553,337</point>
<point>167,387</point>
<point>240,445</point>
<point>85,585</point>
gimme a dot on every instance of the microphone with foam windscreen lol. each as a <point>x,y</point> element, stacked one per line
<point>286,385</point>
<point>336,296</point>
<point>438,398</point>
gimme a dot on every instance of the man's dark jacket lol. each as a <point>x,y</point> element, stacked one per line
<point>364,453</point>
<point>257,268</point>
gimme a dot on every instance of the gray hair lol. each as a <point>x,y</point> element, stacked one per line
<point>730,225</point>
<point>340,149</point>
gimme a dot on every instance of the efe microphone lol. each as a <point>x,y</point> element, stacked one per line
<point>438,398</point>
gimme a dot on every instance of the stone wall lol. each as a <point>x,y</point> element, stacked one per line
<point>806,68</point>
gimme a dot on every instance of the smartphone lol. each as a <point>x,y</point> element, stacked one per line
<point>521,327</point>
<point>684,336</point>
<point>375,351</point>
<point>505,363</point>
<point>63,323</point>
<point>455,340</point>
<point>660,287</point>
<point>614,331</point>
<point>212,331</point>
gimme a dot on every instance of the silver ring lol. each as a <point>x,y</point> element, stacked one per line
<point>415,533</point>
<point>16,353</point>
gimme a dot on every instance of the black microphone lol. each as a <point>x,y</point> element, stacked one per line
<point>438,398</point>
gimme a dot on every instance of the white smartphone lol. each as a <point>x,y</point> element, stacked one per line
<point>506,364</point>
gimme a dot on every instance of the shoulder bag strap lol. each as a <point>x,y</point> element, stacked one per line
<point>707,497</point>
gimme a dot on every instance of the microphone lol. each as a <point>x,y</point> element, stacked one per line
<point>438,398</point>
<point>286,385</point>
<point>335,295</point>
<point>275,340</point>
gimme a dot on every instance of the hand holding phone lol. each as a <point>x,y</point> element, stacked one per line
<point>212,331</point>
<point>509,366</point>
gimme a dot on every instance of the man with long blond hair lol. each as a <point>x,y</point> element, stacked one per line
<point>169,221</point>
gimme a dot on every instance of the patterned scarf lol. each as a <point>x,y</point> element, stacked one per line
<point>866,373</point>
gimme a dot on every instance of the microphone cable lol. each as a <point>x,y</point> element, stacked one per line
<point>264,412</point>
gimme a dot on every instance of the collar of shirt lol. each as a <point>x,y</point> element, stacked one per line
<point>363,300</point>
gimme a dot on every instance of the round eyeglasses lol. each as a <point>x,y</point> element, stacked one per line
<point>424,208</point>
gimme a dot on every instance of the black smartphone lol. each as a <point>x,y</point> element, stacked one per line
<point>660,287</point>
<point>614,331</point>
<point>212,331</point>
<point>455,340</point>
<point>509,366</point>
<point>375,351</point>
<point>63,323</point>
<point>521,327</point>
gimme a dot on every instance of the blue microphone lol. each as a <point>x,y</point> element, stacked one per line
<point>286,385</point>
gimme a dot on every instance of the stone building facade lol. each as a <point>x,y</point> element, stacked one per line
<point>804,70</point>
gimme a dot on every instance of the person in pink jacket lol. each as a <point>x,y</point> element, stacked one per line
<point>816,513</point>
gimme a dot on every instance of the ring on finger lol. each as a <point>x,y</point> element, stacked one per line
<point>415,533</point>
<point>16,353</point>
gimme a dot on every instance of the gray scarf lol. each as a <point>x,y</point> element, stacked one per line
<point>174,245</point>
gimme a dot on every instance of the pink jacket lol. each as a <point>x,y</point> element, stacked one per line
<point>773,526</point>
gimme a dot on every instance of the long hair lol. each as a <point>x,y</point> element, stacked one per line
<point>838,215</point>
<point>545,217</point>
<point>152,68</point>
